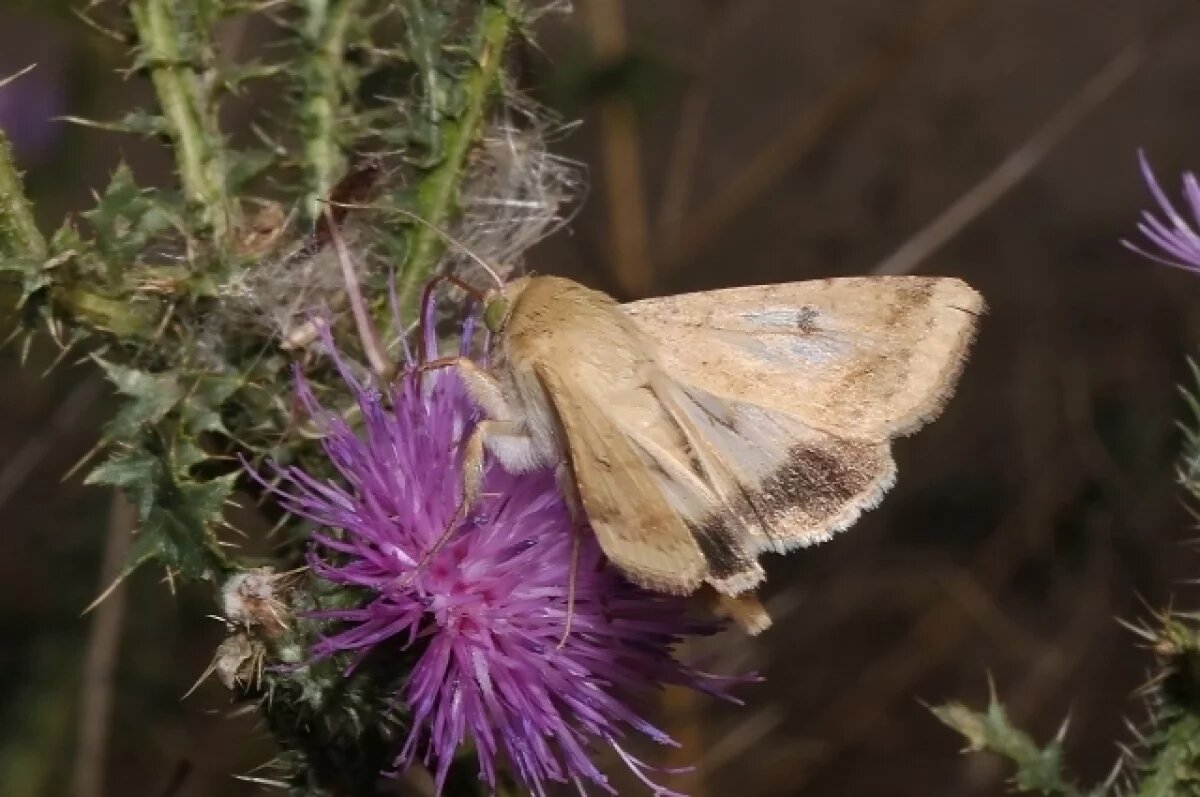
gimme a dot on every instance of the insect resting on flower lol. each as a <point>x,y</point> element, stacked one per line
<point>696,432</point>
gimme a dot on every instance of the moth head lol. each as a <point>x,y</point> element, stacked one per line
<point>496,309</point>
<point>498,304</point>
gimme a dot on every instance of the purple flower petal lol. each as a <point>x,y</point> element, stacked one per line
<point>1176,241</point>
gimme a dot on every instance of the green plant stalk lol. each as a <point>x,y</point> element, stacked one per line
<point>438,192</point>
<point>325,85</point>
<point>19,235</point>
<point>188,112</point>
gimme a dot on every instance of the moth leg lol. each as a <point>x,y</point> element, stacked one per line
<point>498,436</point>
<point>508,442</point>
<point>569,488</point>
<point>570,493</point>
<point>576,542</point>
<point>507,439</point>
<point>485,389</point>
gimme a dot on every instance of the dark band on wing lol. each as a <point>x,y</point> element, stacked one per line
<point>818,482</point>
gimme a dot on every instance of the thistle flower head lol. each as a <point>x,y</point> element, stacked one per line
<point>486,612</point>
<point>1175,239</point>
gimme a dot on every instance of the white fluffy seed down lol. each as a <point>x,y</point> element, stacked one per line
<point>251,598</point>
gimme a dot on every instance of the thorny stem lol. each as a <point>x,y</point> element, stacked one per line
<point>19,235</point>
<point>438,191</point>
<point>325,83</point>
<point>187,107</point>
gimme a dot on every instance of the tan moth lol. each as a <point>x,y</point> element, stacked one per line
<point>696,432</point>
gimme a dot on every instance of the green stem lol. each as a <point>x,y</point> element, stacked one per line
<point>325,79</point>
<point>187,107</point>
<point>19,235</point>
<point>438,192</point>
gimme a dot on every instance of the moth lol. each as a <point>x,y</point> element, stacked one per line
<point>697,432</point>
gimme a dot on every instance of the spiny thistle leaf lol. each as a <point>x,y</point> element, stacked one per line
<point>202,410</point>
<point>126,218</point>
<point>1175,770</point>
<point>139,123</point>
<point>178,515</point>
<point>19,234</point>
<point>137,472</point>
<point>249,165</point>
<point>1039,770</point>
<point>178,532</point>
<point>153,396</point>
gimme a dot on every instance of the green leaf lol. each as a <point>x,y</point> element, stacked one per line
<point>248,165</point>
<point>1174,770</point>
<point>153,396</point>
<point>126,218</point>
<point>28,272</point>
<point>138,472</point>
<point>178,531</point>
<point>66,237</point>
<point>201,410</point>
<point>186,454</point>
<point>1039,770</point>
<point>19,233</point>
<point>234,76</point>
<point>139,122</point>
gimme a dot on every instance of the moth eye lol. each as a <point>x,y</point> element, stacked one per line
<point>494,313</point>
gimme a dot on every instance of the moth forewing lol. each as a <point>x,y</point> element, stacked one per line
<point>637,526</point>
<point>698,431</point>
<point>861,357</point>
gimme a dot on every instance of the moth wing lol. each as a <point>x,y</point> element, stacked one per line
<point>633,519</point>
<point>860,357</point>
<point>791,484</point>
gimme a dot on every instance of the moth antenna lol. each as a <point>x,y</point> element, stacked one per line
<point>445,236</point>
<point>457,244</point>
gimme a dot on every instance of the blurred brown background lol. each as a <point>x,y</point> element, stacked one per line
<point>733,142</point>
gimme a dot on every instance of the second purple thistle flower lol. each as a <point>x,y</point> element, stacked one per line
<point>1174,241</point>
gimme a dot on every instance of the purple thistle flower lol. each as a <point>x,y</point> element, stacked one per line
<point>1176,241</point>
<point>489,607</point>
